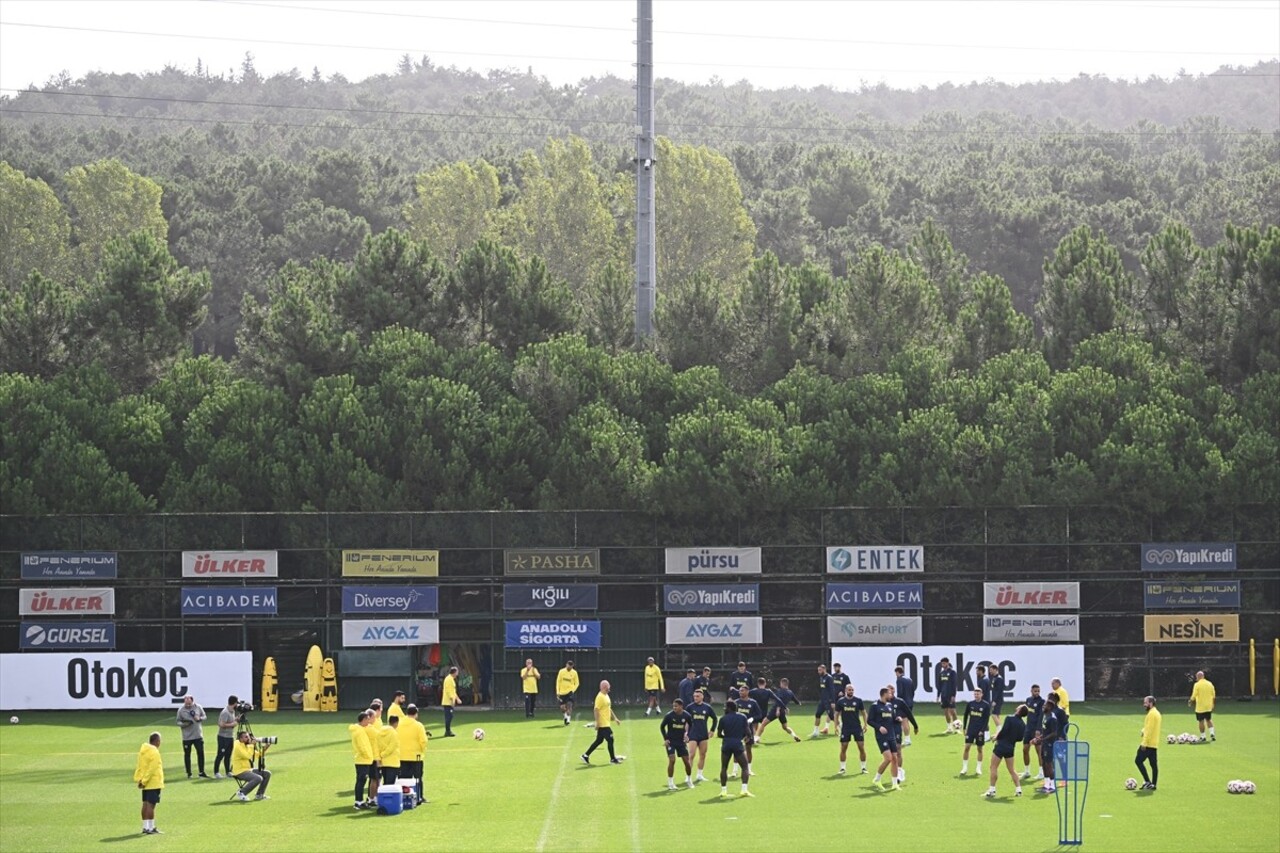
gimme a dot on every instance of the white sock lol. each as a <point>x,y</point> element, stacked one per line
<point>724,789</point>
<point>902,775</point>
<point>964,768</point>
<point>864,765</point>
<point>744,787</point>
<point>979,770</point>
<point>841,766</point>
<point>877,779</point>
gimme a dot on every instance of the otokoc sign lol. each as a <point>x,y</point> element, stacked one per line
<point>78,601</point>
<point>390,632</point>
<point>69,565</point>
<point>711,597</point>
<point>713,561</point>
<point>249,601</point>
<point>117,680</point>
<point>722,631</point>
<point>550,596</point>
<point>875,559</point>
<point>1192,628</point>
<point>390,599</point>
<point>1039,596</point>
<point>875,596</point>
<point>553,634</point>
<point>1159,595</point>
<point>51,636</point>
<point>873,629</point>
<point>1189,557</point>
<point>230,565</point>
<point>1021,666</point>
<point>1063,628</point>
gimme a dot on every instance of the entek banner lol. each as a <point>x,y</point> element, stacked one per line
<point>119,680</point>
<point>81,601</point>
<point>229,565</point>
<point>1031,596</point>
<point>875,559</point>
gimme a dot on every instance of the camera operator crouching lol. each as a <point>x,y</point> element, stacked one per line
<point>246,752</point>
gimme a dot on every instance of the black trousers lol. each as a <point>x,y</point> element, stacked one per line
<point>1147,755</point>
<point>604,735</point>
<point>366,773</point>
<point>412,770</point>
<point>225,745</point>
<point>530,699</point>
<point>198,743</point>
<point>448,719</point>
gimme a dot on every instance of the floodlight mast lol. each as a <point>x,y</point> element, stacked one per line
<point>646,165</point>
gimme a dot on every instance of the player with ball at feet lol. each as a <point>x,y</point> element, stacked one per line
<point>1149,744</point>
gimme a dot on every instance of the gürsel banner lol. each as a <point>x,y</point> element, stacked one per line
<point>1192,628</point>
<point>391,563</point>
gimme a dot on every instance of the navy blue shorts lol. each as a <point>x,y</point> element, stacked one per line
<point>847,735</point>
<point>678,748</point>
<point>151,795</point>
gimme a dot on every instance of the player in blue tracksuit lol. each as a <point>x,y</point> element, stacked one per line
<point>734,730</point>
<point>782,699</point>
<point>983,683</point>
<point>1035,716</point>
<point>841,681</point>
<point>997,694</point>
<point>686,687</point>
<point>905,689</point>
<point>852,719</point>
<point>739,678</point>
<point>703,721</point>
<point>977,717</point>
<point>826,700</point>
<point>947,681</point>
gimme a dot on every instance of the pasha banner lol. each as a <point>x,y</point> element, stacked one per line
<point>551,561</point>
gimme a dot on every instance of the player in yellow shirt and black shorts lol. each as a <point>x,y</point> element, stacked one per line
<point>566,687</point>
<point>1203,698</point>
<point>605,718</point>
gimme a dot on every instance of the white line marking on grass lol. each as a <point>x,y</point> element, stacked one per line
<point>635,799</point>
<point>555,795</point>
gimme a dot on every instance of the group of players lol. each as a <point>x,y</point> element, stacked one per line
<point>752,705</point>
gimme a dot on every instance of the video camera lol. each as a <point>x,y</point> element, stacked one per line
<point>243,708</point>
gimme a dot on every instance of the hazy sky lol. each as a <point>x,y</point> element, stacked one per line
<point>772,43</point>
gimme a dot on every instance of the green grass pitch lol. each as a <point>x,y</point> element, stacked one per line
<point>66,784</point>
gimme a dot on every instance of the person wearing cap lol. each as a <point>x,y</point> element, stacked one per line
<point>529,678</point>
<point>653,685</point>
<point>396,708</point>
<point>566,687</point>
<point>687,685</point>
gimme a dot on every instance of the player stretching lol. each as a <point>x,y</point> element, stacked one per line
<point>1012,731</point>
<point>852,719</point>
<point>826,700</point>
<point>675,736</point>
<point>703,718</point>
<point>906,691</point>
<point>1035,717</point>
<point>977,716</point>
<point>901,716</point>
<point>763,697</point>
<point>782,698</point>
<point>880,721</point>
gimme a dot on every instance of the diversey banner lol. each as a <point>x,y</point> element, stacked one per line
<point>873,629</point>
<point>1064,595</point>
<point>550,596</point>
<point>875,596</point>
<point>233,565</point>
<point>390,632</point>
<point>713,561</point>
<point>390,599</point>
<point>714,631</point>
<point>248,601</point>
<point>711,597</point>
<point>1062,628</point>
<point>51,636</point>
<point>1020,665</point>
<point>117,680</point>
<point>391,563</point>
<point>69,565</point>
<point>1192,628</point>
<point>1189,557</point>
<point>77,601</point>
<point>553,634</point>
<point>875,559</point>
<point>1160,595</point>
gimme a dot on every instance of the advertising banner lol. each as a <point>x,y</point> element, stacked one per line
<point>875,596</point>
<point>51,636</point>
<point>709,631</point>
<point>1020,665</point>
<point>120,680</point>
<point>249,601</point>
<point>875,559</point>
<point>551,561</point>
<point>713,561</point>
<point>1160,595</point>
<point>390,599</point>
<point>1192,628</point>
<point>1036,628</point>
<point>557,634</point>
<point>711,597</point>
<point>69,565</point>
<point>234,565</point>
<point>874,629</point>
<point>1189,557</point>
<point>390,632</point>
<point>77,601</point>
<point>391,563</point>
<point>550,596</point>
<point>1063,595</point>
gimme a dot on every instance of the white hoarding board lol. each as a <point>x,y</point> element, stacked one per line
<point>87,680</point>
<point>714,630</point>
<point>390,632</point>
<point>1021,666</point>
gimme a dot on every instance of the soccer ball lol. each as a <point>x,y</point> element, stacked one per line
<point>957,726</point>
<point>1172,738</point>
<point>1233,787</point>
<point>1247,787</point>
<point>1131,784</point>
<point>478,734</point>
<point>14,719</point>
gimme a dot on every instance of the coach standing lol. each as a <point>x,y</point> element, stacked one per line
<point>191,718</point>
<point>605,718</point>
<point>226,736</point>
<point>149,774</point>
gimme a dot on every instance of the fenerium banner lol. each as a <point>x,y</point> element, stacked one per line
<point>69,565</point>
<point>249,601</point>
<point>550,596</point>
<point>1189,557</point>
<point>390,599</point>
<point>551,561</point>
<point>1192,628</point>
<point>1159,595</point>
<point>875,559</point>
<point>231,565</point>
<point>713,561</point>
<point>722,631</point>
<point>1031,627</point>
<point>875,596</point>
<point>59,636</point>
<point>873,629</point>
<point>553,634</point>
<point>391,563</point>
<point>711,597</point>
<point>1038,596</point>
<point>79,601</point>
